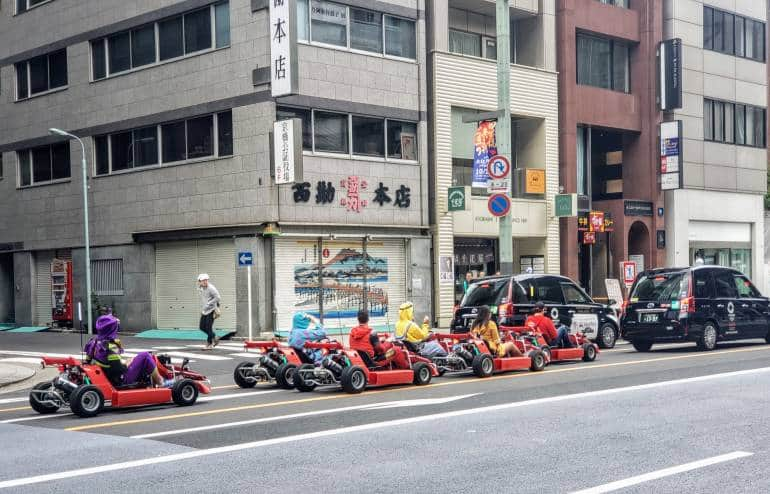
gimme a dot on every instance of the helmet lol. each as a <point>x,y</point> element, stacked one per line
<point>203,276</point>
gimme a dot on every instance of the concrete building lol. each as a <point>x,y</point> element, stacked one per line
<point>173,101</point>
<point>718,216</point>
<point>608,135</point>
<point>462,49</point>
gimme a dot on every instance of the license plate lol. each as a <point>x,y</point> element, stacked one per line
<point>648,318</point>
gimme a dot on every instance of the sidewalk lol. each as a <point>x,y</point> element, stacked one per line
<point>14,373</point>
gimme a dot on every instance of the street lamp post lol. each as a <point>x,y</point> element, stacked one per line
<point>89,316</point>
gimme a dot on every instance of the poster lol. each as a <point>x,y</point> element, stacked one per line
<point>614,292</point>
<point>446,274</point>
<point>483,149</point>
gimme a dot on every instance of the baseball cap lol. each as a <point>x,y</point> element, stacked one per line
<point>539,306</point>
<point>203,276</point>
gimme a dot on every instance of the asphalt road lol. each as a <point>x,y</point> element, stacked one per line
<point>574,426</point>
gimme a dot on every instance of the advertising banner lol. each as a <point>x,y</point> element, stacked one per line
<point>483,149</point>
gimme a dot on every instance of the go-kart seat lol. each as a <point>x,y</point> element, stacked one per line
<point>369,361</point>
<point>304,357</point>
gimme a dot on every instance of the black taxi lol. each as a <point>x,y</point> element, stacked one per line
<point>512,298</point>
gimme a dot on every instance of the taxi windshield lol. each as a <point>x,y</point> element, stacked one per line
<point>486,293</point>
<point>661,287</point>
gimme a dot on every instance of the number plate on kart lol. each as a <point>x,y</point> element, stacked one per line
<point>648,318</point>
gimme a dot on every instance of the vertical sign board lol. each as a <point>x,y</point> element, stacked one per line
<point>670,72</point>
<point>628,268</point>
<point>459,198</point>
<point>287,151</point>
<point>565,205</point>
<point>671,155</point>
<point>284,76</point>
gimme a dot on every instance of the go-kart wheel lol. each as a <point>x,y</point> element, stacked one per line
<point>547,354</point>
<point>537,361</point>
<point>86,401</point>
<point>483,365</point>
<point>589,352</point>
<point>353,379</point>
<point>184,393</point>
<point>284,376</point>
<point>299,383</point>
<point>422,373</point>
<point>607,336</point>
<point>239,375</point>
<point>37,396</point>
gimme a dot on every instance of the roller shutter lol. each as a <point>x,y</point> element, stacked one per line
<point>43,295</point>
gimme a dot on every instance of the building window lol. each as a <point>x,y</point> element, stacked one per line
<point>195,138</point>
<point>180,36</point>
<point>41,74</point>
<point>25,5</point>
<point>329,132</point>
<point>464,43</point>
<point>107,276</point>
<point>732,34</point>
<point>603,63</point>
<point>616,3</point>
<point>734,123</point>
<point>329,23</point>
<point>44,164</point>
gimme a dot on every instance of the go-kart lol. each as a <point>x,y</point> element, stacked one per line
<point>86,389</point>
<point>353,370</point>
<point>276,363</point>
<point>465,353</point>
<point>582,348</point>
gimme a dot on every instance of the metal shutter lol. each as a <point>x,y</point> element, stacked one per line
<point>43,295</point>
<point>392,255</point>
<point>296,279</point>
<point>178,265</point>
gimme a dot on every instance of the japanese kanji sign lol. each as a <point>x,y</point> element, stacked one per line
<point>284,76</point>
<point>287,151</point>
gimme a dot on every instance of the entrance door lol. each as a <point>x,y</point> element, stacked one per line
<point>6,288</point>
<point>43,296</point>
<point>177,266</point>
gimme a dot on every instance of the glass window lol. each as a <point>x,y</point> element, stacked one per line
<point>365,30</point>
<point>740,259</point>
<point>38,74</point>
<point>330,132</point>
<point>757,126</point>
<point>620,67</point>
<point>41,164</point>
<point>402,140</point>
<point>704,285</point>
<point>22,83</point>
<point>225,133</point>
<point>119,48</point>
<point>745,288</point>
<point>145,146</point>
<point>98,56</point>
<point>222,20</point>
<point>740,124</point>
<point>173,138</point>
<point>197,31</point>
<point>728,30</point>
<point>662,287</point>
<point>171,38</point>
<point>740,36</point>
<point>101,155</point>
<point>719,121</point>
<point>548,290</point>
<point>594,61</point>
<point>400,37</point>
<point>329,23</point>
<point>718,30</point>
<point>573,294</point>
<point>143,46</point>
<point>57,67</point>
<point>283,113</point>
<point>751,125</point>
<point>200,137</point>
<point>464,43</point>
<point>303,20</point>
<point>122,151</point>
<point>25,178</point>
<point>708,120</point>
<point>60,161</point>
<point>725,285</point>
<point>729,122</point>
<point>485,293</point>
<point>368,136</point>
<point>708,28</point>
<point>490,48</point>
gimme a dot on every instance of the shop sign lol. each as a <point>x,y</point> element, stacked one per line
<point>670,71</point>
<point>671,155</point>
<point>330,13</point>
<point>583,225</point>
<point>458,199</point>
<point>355,189</point>
<point>483,149</point>
<point>637,208</point>
<point>596,221</point>
<point>287,151</point>
<point>609,223</point>
<point>565,205</point>
<point>446,273</point>
<point>535,181</point>
<point>354,186</point>
<point>589,237</point>
<point>284,78</point>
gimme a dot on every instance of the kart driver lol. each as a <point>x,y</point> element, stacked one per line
<point>105,348</point>
<point>302,332</point>
<point>417,336</point>
<point>486,329</point>
<point>364,340</point>
<point>540,323</point>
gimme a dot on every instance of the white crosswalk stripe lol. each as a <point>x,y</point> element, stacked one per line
<point>176,359</point>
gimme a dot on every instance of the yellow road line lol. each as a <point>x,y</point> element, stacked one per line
<point>413,388</point>
<point>15,409</point>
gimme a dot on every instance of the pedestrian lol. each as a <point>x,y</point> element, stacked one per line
<point>210,300</point>
<point>467,282</point>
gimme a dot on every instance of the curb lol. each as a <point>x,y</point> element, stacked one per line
<point>11,374</point>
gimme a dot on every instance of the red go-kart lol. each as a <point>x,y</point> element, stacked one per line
<point>353,370</point>
<point>583,349</point>
<point>276,363</point>
<point>86,389</point>
<point>466,352</point>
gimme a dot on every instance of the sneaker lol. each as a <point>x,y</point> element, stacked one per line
<point>216,342</point>
<point>168,383</point>
<point>208,347</point>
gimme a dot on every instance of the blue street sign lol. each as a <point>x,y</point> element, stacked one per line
<point>499,204</point>
<point>245,259</point>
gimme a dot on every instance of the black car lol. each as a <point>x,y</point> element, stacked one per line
<point>703,304</point>
<point>512,299</point>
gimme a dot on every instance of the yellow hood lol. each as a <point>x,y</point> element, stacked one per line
<point>406,327</point>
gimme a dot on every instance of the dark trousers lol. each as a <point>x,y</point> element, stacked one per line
<point>207,322</point>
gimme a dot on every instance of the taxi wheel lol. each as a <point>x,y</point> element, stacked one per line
<point>642,345</point>
<point>607,336</point>
<point>708,340</point>
<point>767,337</point>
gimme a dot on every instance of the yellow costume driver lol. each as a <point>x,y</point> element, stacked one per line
<point>409,331</point>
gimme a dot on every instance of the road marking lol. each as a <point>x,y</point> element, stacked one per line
<point>371,406</point>
<point>237,395</point>
<point>128,354</point>
<point>357,428</point>
<point>245,355</point>
<point>666,472</point>
<point>14,409</point>
<point>36,417</point>
<point>198,356</point>
<point>413,388</point>
<point>226,386</point>
<point>13,400</point>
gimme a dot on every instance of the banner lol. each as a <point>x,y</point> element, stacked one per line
<point>483,149</point>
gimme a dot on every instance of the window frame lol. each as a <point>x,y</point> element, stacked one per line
<point>159,138</point>
<point>156,28</point>
<point>611,69</point>
<point>347,46</point>
<point>16,10</point>
<point>28,73</point>
<point>30,163</point>
<point>736,109</point>
<point>735,44</point>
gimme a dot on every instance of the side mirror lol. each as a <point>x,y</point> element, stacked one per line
<point>612,302</point>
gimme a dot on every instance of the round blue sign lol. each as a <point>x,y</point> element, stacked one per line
<point>499,204</point>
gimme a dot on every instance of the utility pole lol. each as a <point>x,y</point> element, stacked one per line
<point>503,128</point>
